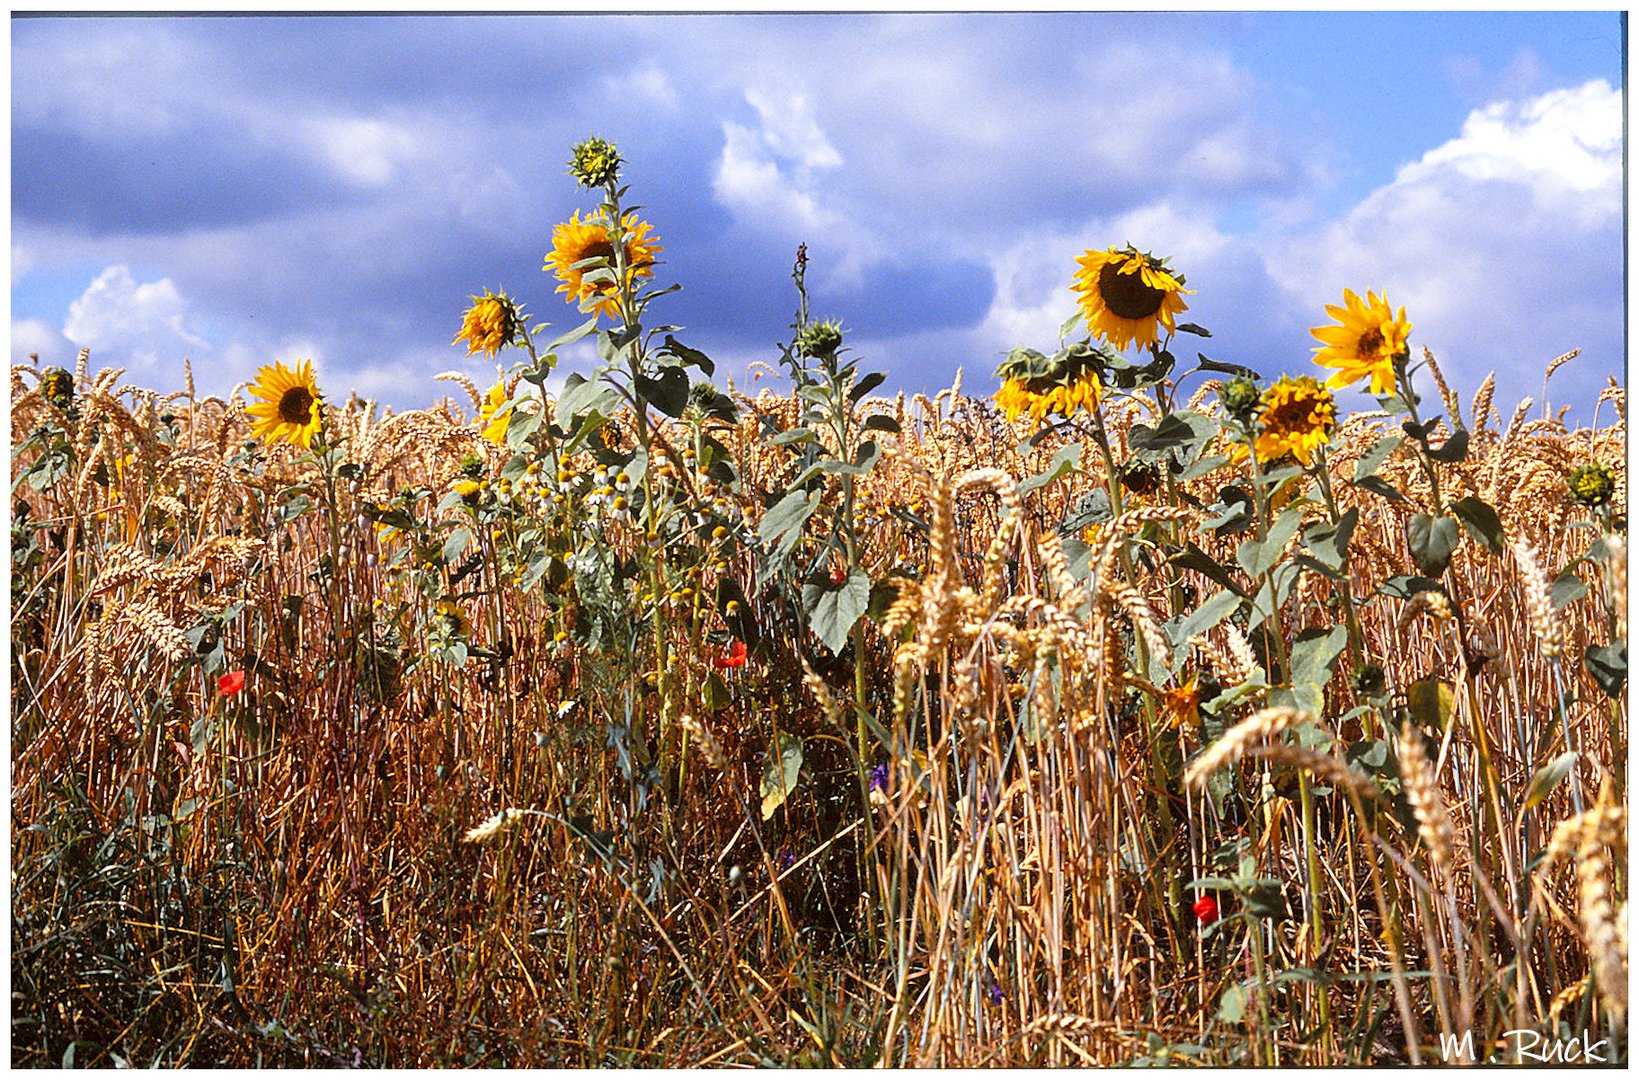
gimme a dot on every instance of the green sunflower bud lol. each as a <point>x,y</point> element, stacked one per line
<point>1241,398</point>
<point>594,163</point>
<point>1591,485</point>
<point>820,339</point>
<point>473,466</point>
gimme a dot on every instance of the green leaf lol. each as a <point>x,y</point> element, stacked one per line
<point>456,544</point>
<point>693,357</point>
<point>1432,540</point>
<point>1193,558</point>
<point>780,771</point>
<point>865,385</point>
<point>669,393</point>
<point>832,612</point>
<point>782,523</point>
<point>717,696</point>
<point>573,335</point>
<point>1172,431</point>
<point>1091,509</point>
<point>882,422</point>
<point>1314,653</point>
<point>1545,779</point>
<point>795,435</point>
<point>1232,1004</point>
<point>1379,486</point>
<point>1608,664</point>
<point>1454,449</point>
<point>1258,558</point>
<point>1330,543</point>
<point>1567,589</point>
<point>1405,586</point>
<point>1066,461</point>
<point>1481,522</point>
<point>1373,458</point>
<point>1234,511</point>
<point>1218,607</point>
<point>1430,702</point>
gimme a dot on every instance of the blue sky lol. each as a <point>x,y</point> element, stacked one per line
<point>238,190</point>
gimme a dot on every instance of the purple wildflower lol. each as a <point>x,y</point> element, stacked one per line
<point>879,777</point>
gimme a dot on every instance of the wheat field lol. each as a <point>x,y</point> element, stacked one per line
<point>374,851</point>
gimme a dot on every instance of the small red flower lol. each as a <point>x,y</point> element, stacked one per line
<point>231,683</point>
<point>736,657</point>
<point>838,575</point>
<point>1206,909</point>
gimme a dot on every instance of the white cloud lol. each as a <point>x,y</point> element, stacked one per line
<point>40,337</point>
<point>140,326</point>
<point>790,131</point>
<point>647,83</point>
<point>773,178</point>
<point>367,153</point>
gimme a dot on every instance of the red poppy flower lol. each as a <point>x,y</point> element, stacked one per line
<point>231,683</point>
<point>1206,909</point>
<point>736,657</point>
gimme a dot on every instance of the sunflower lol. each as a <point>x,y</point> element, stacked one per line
<point>490,324</point>
<point>492,417</point>
<point>576,241</point>
<point>1298,415</point>
<point>289,409</point>
<point>1370,337</point>
<point>1125,295</point>
<point>1034,385</point>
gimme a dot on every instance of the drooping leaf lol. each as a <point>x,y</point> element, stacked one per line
<point>1453,450</point>
<point>1567,589</point>
<point>1256,557</point>
<point>1314,654</point>
<point>1481,521</point>
<point>1608,664</point>
<point>669,392</point>
<point>782,523</point>
<point>1379,486</point>
<point>1430,702</point>
<point>1432,540</point>
<point>780,771</point>
<point>689,356</point>
<point>1547,778</point>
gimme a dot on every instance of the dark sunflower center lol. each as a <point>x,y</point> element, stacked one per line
<point>1127,295</point>
<point>1293,415</point>
<point>1371,343</point>
<point>296,406</point>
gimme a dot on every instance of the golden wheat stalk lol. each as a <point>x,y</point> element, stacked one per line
<point>1605,938</point>
<point>1323,766</point>
<point>705,743</point>
<point>1538,603</point>
<point>1423,791</point>
<point>1235,742</point>
<point>485,831</point>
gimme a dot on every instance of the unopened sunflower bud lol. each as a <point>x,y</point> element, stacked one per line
<point>819,339</point>
<point>1241,398</point>
<point>594,163</point>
